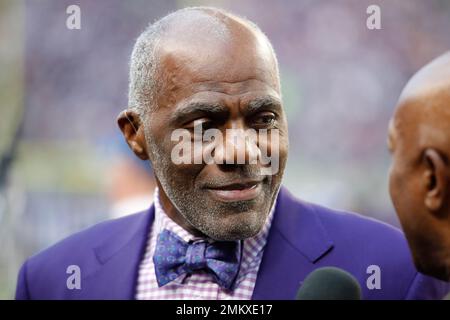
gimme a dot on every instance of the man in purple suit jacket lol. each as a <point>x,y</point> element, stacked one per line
<point>303,237</point>
<point>205,108</point>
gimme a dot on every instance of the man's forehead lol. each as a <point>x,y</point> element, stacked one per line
<point>414,120</point>
<point>215,67</point>
<point>428,103</point>
<point>204,47</point>
<point>213,52</point>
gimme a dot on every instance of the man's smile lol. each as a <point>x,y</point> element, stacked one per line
<point>239,191</point>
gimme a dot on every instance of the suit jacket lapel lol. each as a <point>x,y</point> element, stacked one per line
<point>119,257</point>
<point>297,239</point>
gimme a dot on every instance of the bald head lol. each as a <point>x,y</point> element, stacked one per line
<point>419,139</point>
<point>433,77</point>
<point>422,116</point>
<point>212,36</point>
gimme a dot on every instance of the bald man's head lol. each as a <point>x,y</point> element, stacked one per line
<point>419,139</point>
<point>200,70</point>
<point>202,30</point>
<point>434,76</point>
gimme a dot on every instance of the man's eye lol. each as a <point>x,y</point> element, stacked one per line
<point>266,119</point>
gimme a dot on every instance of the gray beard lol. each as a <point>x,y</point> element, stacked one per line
<point>201,215</point>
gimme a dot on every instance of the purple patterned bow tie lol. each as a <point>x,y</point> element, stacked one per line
<point>173,257</point>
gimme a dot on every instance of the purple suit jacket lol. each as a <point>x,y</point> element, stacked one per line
<point>303,237</point>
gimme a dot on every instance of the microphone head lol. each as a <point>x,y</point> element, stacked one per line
<point>329,283</point>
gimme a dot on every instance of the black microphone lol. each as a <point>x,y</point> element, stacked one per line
<point>329,283</point>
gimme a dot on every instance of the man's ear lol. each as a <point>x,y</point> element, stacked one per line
<point>436,180</point>
<point>131,126</point>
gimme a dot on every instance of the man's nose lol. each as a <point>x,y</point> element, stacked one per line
<point>239,147</point>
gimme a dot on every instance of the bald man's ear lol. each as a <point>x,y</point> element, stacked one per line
<point>130,124</point>
<point>436,180</point>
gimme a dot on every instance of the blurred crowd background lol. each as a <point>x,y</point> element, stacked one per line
<point>64,164</point>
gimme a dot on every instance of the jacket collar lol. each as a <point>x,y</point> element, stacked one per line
<point>120,255</point>
<point>301,226</point>
<point>297,240</point>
